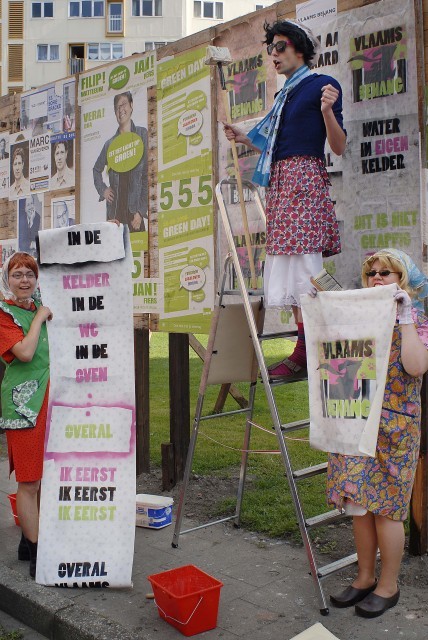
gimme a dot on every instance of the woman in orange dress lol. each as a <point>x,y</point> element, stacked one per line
<point>24,393</point>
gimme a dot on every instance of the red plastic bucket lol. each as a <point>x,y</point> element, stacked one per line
<point>12,499</point>
<point>187,598</point>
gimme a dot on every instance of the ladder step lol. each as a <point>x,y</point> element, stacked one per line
<point>309,472</point>
<point>290,380</point>
<point>250,292</point>
<point>324,518</point>
<point>328,569</point>
<point>294,426</point>
<point>274,336</point>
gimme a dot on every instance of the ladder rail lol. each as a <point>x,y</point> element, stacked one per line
<point>257,338</point>
<point>269,394</point>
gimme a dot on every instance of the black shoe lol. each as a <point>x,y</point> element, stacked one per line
<point>23,551</point>
<point>350,596</point>
<point>32,547</point>
<point>374,605</point>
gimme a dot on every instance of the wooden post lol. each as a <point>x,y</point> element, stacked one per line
<point>141,353</point>
<point>418,538</point>
<point>168,470</point>
<point>179,397</point>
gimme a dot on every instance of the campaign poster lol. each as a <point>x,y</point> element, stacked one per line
<point>68,105</point>
<point>382,201</point>
<point>19,163</point>
<point>348,337</point>
<point>185,193</point>
<point>30,222</point>
<point>87,511</point>
<point>114,151</point>
<point>42,110</point>
<point>7,248</point>
<point>314,12</point>
<point>61,158</point>
<point>63,212</point>
<point>40,162</point>
<point>4,164</point>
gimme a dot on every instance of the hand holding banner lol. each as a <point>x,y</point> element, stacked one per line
<point>87,520</point>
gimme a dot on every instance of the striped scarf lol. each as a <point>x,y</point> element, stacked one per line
<point>264,134</point>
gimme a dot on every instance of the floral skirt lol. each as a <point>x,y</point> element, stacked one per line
<point>382,485</point>
<point>300,215</point>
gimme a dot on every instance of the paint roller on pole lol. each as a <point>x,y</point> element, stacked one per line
<point>220,56</point>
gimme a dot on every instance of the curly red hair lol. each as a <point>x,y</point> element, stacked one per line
<point>20,259</point>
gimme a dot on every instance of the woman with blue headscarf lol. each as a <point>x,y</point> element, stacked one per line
<point>377,491</point>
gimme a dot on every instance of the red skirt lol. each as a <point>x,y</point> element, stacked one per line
<point>300,215</point>
<point>26,447</point>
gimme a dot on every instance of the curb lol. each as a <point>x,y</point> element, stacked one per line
<point>54,616</point>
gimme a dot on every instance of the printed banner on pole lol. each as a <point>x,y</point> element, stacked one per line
<point>348,340</point>
<point>87,516</point>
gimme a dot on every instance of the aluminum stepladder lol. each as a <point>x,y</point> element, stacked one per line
<point>227,342</point>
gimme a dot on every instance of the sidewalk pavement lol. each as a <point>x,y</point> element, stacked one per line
<point>267,594</point>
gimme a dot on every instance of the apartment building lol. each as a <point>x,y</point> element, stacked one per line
<point>44,40</point>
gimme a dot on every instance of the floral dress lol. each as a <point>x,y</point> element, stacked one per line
<point>383,485</point>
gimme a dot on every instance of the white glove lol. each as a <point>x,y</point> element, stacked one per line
<point>404,307</point>
<point>313,291</point>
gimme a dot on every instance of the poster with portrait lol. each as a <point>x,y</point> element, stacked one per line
<point>30,222</point>
<point>68,105</point>
<point>7,248</point>
<point>4,164</point>
<point>114,151</point>
<point>62,212</point>
<point>19,162</point>
<point>62,161</point>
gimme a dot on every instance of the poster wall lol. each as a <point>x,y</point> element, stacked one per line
<point>37,161</point>
<point>376,184</point>
<point>185,193</point>
<point>87,515</point>
<point>114,151</point>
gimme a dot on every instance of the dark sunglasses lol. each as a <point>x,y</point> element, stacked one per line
<point>280,46</point>
<point>383,273</point>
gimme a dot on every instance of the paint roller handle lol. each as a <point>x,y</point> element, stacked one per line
<point>236,134</point>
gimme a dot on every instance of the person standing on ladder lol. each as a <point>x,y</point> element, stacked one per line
<point>301,225</point>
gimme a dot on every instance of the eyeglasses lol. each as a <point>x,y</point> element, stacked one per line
<point>20,276</point>
<point>383,273</point>
<point>280,46</point>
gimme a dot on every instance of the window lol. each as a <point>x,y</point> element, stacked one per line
<point>146,7</point>
<point>86,9</point>
<point>48,52</point>
<point>203,9</point>
<point>105,50</point>
<point>115,17</point>
<point>42,9</point>
<point>259,6</point>
<point>149,46</point>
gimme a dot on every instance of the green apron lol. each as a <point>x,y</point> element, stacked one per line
<point>24,383</point>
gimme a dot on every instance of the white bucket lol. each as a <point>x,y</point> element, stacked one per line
<point>153,512</point>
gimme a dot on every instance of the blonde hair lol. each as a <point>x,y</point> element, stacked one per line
<point>387,261</point>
